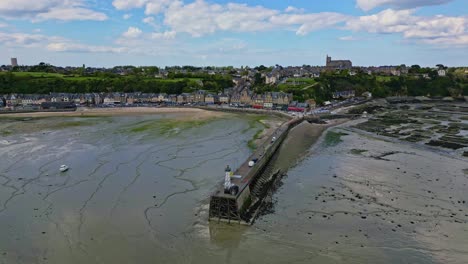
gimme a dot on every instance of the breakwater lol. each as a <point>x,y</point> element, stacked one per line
<point>229,207</point>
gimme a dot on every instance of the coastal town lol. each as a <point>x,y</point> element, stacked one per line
<point>295,89</point>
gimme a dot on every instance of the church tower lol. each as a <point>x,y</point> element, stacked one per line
<point>328,61</point>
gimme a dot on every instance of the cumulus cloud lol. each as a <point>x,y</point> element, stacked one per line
<point>127,16</point>
<point>135,37</point>
<point>128,4</point>
<point>434,29</point>
<point>38,10</point>
<point>132,32</point>
<point>156,7</point>
<point>309,22</point>
<point>200,17</point>
<point>150,21</point>
<point>367,5</point>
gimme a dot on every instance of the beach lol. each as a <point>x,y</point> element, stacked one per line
<point>123,111</point>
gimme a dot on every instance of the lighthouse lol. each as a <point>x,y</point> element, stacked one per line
<point>227,179</point>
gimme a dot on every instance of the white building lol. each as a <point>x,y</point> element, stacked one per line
<point>442,72</point>
<point>271,79</point>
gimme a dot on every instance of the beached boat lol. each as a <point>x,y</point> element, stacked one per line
<point>63,168</point>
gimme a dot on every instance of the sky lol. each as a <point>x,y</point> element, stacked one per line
<point>106,33</point>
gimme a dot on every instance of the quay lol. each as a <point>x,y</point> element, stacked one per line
<point>227,207</point>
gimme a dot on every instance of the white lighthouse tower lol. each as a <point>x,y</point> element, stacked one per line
<point>227,179</point>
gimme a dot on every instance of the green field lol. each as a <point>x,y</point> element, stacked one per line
<point>42,75</point>
<point>301,80</point>
<point>297,84</point>
<point>384,78</point>
<point>36,74</point>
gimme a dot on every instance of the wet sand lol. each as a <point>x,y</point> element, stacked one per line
<point>123,111</point>
<point>130,196</point>
<point>141,196</point>
<point>367,200</point>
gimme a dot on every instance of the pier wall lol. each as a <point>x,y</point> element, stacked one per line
<point>222,206</point>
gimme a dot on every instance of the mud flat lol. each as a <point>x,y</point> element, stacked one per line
<point>131,194</point>
<point>444,127</point>
<point>360,199</point>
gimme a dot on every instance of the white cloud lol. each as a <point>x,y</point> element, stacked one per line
<point>20,39</point>
<point>228,45</point>
<point>74,47</point>
<point>128,4</point>
<point>348,38</point>
<point>132,32</point>
<point>53,43</point>
<point>38,10</point>
<point>200,17</point>
<point>148,20</point>
<point>399,4</point>
<point>164,35</point>
<point>127,16</point>
<point>292,9</point>
<point>155,7</point>
<point>26,40</point>
<point>152,7</point>
<point>3,25</point>
<point>74,13</point>
<point>309,22</point>
<point>461,41</point>
<point>434,30</point>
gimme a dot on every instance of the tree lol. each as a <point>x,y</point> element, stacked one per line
<point>259,80</point>
<point>433,74</point>
<point>415,69</point>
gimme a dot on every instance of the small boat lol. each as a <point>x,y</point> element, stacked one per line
<point>63,168</point>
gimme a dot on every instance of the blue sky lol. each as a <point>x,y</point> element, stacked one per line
<point>237,32</point>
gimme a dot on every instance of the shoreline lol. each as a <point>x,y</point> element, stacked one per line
<point>86,112</point>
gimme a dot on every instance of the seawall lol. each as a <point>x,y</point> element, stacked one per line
<point>231,208</point>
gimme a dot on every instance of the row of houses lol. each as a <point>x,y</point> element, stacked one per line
<point>245,97</point>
